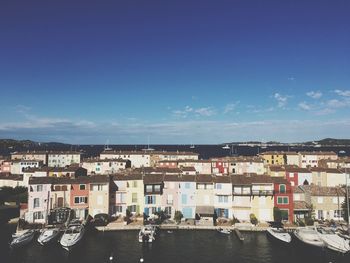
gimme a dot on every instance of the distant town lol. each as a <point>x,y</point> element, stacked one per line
<point>303,186</point>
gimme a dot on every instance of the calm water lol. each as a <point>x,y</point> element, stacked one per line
<point>180,246</point>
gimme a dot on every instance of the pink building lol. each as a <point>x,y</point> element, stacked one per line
<point>170,197</point>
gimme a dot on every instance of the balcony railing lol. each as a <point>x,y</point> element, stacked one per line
<point>255,193</point>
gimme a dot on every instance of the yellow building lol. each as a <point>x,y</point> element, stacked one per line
<point>262,201</point>
<point>135,194</point>
<point>278,158</point>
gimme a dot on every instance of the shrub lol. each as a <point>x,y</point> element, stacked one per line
<point>253,219</point>
<point>178,216</point>
<point>277,214</point>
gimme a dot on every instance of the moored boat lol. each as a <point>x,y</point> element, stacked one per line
<point>22,239</point>
<point>48,236</point>
<point>332,240</point>
<point>224,231</point>
<point>279,234</point>
<point>147,234</point>
<point>72,236</point>
<point>309,236</point>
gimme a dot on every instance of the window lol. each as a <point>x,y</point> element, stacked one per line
<point>223,198</point>
<point>100,200</point>
<point>187,185</point>
<point>320,200</point>
<point>335,200</point>
<point>150,199</point>
<point>184,199</point>
<point>97,187</point>
<point>118,209</point>
<point>168,210</point>
<point>38,215</point>
<point>132,208</point>
<point>291,175</point>
<point>134,197</point>
<point>320,214</point>
<point>218,186</point>
<point>80,200</point>
<point>338,213</point>
<point>82,187</point>
<point>134,184</point>
<point>36,202</point>
<point>282,188</point>
<point>149,188</point>
<point>170,200</point>
<point>285,200</point>
<point>157,188</point>
<point>39,188</point>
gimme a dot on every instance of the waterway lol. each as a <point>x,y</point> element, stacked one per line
<point>202,246</point>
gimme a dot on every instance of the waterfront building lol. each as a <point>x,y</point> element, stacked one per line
<point>262,197</point>
<point>157,156</point>
<point>38,199</point>
<point>30,155</point>
<point>283,198</point>
<point>205,198</point>
<point>292,158</point>
<point>135,193</point>
<point>301,203</point>
<point>120,195</point>
<point>223,196</point>
<point>186,196</point>
<point>137,158</point>
<point>170,197</point>
<point>79,196</point>
<point>153,191</point>
<point>276,171</point>
<point>99,195</point>
<point>105,166</point>
<point>326,201</point>
<point>63,159</point>
<point>241,197</point>
<point>335,164</point>
<point>246,164</point>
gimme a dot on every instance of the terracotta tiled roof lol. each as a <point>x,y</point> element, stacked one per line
<point>327,170</point>
<point>301,205</point>
<point>316,190</point>
<point>204,178</point>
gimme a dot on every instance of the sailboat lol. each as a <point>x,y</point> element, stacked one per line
<point>192,146</point>
<point>226,147</point>
<point>148,147</point>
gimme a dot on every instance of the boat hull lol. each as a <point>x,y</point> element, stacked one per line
<point>21,241</point>
<point>284,239</point>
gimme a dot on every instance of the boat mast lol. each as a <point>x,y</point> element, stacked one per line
<point>347,197</point>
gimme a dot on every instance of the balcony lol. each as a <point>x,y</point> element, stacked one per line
<point>255,193</point>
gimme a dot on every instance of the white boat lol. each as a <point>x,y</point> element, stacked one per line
<point>279,234</point>
<point>224,231</point>
<point>72,236</point>
<point>23,238</point>
<point>48,236</point>
<point>226,147</point>
<point>147,234</point>
<point>332,240</point>
<point>309,236</point>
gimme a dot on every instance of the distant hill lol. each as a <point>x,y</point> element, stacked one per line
<point>8,146</point>
<point>331,142</point>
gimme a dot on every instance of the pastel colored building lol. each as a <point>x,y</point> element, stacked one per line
<point>5,165</point>
<point>99,195</point>
<point>283,198</point>
<point>120,204</point>
<point>63,159</point>
<point>186,196</point>
<point>312,159</point>
<point>170,197</point>
<point>223,196</point>
<point>11,180</point>
<point>135,194</point>
<point>328,177</point>
<point>205,197</point>
<point>79,196</point>
<point>201,166</point>
<point>219,166</point>
<point>241,197</point>
<point>18,166</point>
<point>153,191</point>
<point>274,158</point>
<point>298,176</point>
<point>137,158</point>
<point>30,155</point>
<point>105,166</point>
<point>246,164</point>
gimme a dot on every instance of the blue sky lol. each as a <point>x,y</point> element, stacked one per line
<point>174,71</point>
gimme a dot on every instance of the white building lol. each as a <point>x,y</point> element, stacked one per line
<point>63,159</point>
<point>137,158</point>
<point>105,166</point>
<point>18,166</point>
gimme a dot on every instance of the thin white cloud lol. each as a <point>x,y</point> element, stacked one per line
<point>182,113</point>
<point>205,111</point>
<point>281,100</point>
<point>343,93</point>
<point>291,78</point>
<point>335,103</point>
<point>304,106</point>
<point>314,94</point>
<point>230,107</point>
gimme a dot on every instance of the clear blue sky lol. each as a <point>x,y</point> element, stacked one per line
<point>174,71</point>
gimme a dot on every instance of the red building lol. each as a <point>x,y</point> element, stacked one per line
<point>283,197</point>
<point>79,196</point>
<point>220,166</point>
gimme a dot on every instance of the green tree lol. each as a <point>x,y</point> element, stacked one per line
<point>277,214</point>
<point>178,216</point>
<point>345,210</point>
<point>253,219</point>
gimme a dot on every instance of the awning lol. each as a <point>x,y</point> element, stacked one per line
<point>205,210</point>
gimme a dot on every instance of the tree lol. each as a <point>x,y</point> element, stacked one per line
<point>178,216</point>
<point>253,219</point>
<point>345,210</point>
<point>277,214</point>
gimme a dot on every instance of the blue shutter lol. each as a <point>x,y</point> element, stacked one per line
<point>184,199</point>
<point>145,200</point>
<point>159,209</point>
<point>146,211</point>
<point>226,213</point>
